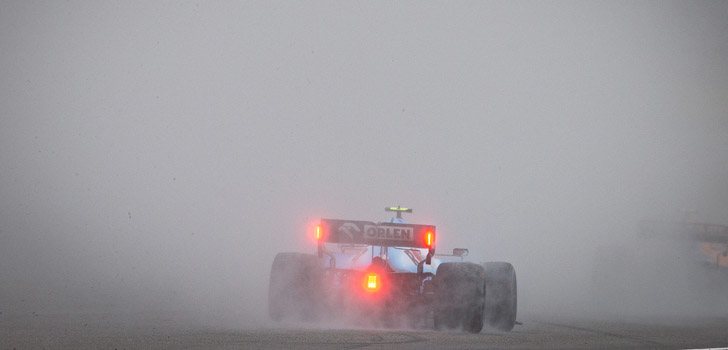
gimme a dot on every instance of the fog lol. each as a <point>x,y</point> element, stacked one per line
<point>155,157</point>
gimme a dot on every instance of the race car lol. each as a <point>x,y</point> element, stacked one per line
<point>708,243</point>
<point>679,266</point>
<point>387,274</point>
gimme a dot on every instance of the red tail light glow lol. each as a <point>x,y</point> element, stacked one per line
<point>429,238</point>
<point>318,232</point>
<point>372,282</point>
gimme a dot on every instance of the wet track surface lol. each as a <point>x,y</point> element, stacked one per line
<point>106,331</point>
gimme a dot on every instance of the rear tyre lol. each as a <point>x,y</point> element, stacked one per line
<point>500,295</point>
<point>295,279</point>
<point>459,296</point>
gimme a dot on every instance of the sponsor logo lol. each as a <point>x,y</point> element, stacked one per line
<point>392,233</point>
<point>349,231</point>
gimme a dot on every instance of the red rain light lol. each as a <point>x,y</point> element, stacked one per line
<point>318,232</point>
<point>372,282</point>
<point>428,239</point>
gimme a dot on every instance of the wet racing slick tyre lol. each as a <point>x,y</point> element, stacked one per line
<point>459,296</point>
<point>500,295</point>
<point>295,279</point>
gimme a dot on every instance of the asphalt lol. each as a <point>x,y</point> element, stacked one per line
<point>124,331</point>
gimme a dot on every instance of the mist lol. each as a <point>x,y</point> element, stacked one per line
<point>155,157</point>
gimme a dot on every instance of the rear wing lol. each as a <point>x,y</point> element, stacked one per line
<point>708,233</point>
<point>377,234</point>
<point>380,234</point>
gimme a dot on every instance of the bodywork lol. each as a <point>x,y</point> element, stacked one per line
<point>377,269</point>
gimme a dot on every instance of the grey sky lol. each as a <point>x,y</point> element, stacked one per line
<point>166,151</point>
